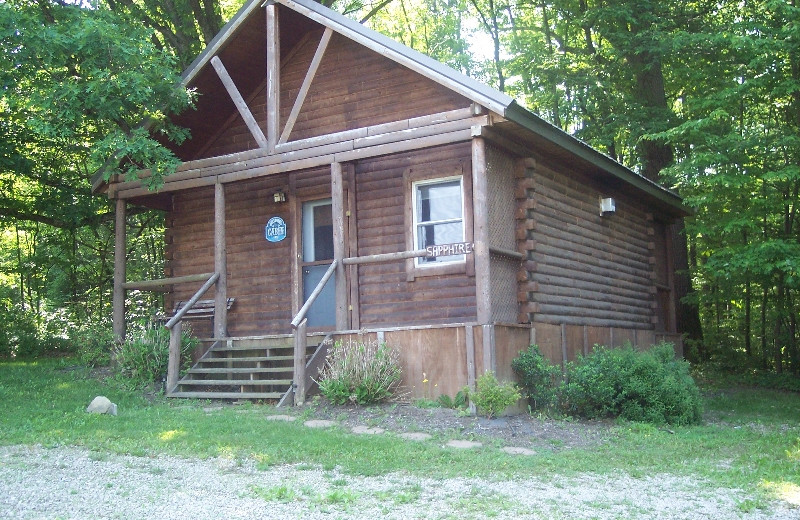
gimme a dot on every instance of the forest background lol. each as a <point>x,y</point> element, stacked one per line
<point>701,95</point>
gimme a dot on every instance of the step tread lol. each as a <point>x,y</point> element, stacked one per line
<point>238,370</point>
<point>235,382</point>
<point>227,395</point>
<point>242,359</point>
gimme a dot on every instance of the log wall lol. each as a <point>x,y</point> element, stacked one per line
<point>385,294</point>
<point>338,100</point>
<point>583,268</point>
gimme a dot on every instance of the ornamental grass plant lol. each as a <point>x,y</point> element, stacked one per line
<point>360,372</point>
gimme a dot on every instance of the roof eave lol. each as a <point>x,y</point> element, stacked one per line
<point>520,115</point>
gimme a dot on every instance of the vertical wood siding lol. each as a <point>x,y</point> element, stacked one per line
<point>353,88</point>
<point>385,294</point>
<point>259,271</point>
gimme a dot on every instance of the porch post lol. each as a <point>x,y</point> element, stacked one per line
<point>120,250</point>
<point>220,264</point>
<point>337,209</point>
<point>480,212</point>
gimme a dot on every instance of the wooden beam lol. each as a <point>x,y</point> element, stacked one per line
<point>301,96</point>
<point>300,346</point>
<point>188,306</point>
<point>120,250</point>
<point>161,282</point>
<point>241,104</point>
<point>337,210</point>
<point>480,205</point>
<point>273,76</point>
<point>220,264</point>
<point>174,360</point>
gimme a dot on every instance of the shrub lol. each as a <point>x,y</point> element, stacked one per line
<point>360,372</point>
<point>650,386</point>
<point>537,376</point>
<point>94,343</point>
<point>19,336</point>
<point>144,355</point>
<point>492,397</point>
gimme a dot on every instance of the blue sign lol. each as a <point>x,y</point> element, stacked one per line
<point>275,230</point>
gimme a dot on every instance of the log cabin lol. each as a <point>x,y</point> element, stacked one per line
<point>339,185</point>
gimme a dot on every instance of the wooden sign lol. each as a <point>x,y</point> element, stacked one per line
<point>459,248</point>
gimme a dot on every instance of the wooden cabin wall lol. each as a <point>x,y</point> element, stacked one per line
<point>189,248</point>
<point>503,269</point>
<point>353,88</point>
<point>587,269</point>
<point>385,294</point>
<point>259,271</point>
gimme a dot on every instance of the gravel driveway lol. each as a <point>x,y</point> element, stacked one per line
<point>64,482</point>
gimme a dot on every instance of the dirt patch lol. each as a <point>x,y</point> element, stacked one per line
<point>515,430</point>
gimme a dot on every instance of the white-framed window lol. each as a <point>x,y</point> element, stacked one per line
<point>438,207</point>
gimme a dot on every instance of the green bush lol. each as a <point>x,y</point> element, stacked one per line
<point>19,336</point>
<point>144,355</point>
<point>360,372</point>
<point>94,343</point>
<point>538,377</point>
<point>492,397</point>
<point>650,386</point>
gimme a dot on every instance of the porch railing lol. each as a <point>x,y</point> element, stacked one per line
<point>299,322</point>
<point>174,323</point>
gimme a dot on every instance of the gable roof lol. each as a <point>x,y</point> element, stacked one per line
<point>246,31</point>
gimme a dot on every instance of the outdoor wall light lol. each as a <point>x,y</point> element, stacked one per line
<point>279,196</point>
<point>607,206</point>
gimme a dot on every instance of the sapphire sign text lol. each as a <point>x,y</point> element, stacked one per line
<point>275,230</point>
<point>461,248</point>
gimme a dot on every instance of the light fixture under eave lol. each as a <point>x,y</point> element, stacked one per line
<point>279,196</point>
<point>607,206</point>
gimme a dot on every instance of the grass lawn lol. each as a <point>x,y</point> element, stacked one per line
<point>749,440</point>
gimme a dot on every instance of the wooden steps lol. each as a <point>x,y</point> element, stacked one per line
<point>258,368</point>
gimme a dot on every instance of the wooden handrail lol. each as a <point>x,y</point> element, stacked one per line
<point>174,326</point>
<point>384,257</point>
<point>301,314</point>
<point>151,284</point>
<point>200,292</point>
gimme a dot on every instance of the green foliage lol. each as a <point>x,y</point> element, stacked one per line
<point>459,402</point>
<point>492,397</point>
<point>19,336</point>
<point>360,372</point>
<point>144,355</point>
<point>650,386</point>
<point>538,377</point>
<point>94,343</point>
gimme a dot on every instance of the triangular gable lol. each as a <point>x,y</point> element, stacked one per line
<point>337,100</point>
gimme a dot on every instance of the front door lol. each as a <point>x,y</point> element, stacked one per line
<point>317,257</point>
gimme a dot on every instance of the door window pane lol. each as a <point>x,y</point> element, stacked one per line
<point>317,231</point>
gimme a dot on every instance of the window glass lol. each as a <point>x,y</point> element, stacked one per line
<point>438,217</point>
<point>317,231</point>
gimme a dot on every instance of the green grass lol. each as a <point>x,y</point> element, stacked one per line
<point>750,439</point>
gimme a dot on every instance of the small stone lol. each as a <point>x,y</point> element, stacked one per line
<point>366,430</point>
<point>464,445</point>
<point>102,404</point>
<point>285,418</point>
<point>415,436</point>
<point>319,423</point>
<point>517,450</point>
